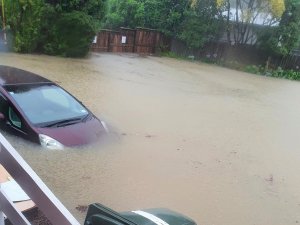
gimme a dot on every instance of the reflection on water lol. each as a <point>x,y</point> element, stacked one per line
<point>217,145</point>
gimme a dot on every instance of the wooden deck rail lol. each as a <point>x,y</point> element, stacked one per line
<point>34,187</point>
<point>11,212</point>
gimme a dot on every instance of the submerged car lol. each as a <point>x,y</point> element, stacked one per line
<point>101,215</point>
<point>41,111</point>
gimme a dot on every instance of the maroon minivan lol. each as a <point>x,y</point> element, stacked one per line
<point>41,111</point>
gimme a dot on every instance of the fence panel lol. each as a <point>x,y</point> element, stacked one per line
<point>129,42</point>
<point>140,40</point>
<point>114,42</point>
<point>147,41</point>
<point>102,42</point>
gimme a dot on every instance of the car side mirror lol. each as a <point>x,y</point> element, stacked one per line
<point>2,117</point>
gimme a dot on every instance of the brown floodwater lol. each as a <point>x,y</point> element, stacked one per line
<point>220,146</point>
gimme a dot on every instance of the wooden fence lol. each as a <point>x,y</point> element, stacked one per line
<point>139,40</point>
<point>236,56</point>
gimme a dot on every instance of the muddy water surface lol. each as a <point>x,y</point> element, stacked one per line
<point>218,145</point>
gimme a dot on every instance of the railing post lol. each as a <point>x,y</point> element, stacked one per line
<point>10,210</point>
<point>1,213</point>
<point>1,218</point>
<point>33,186</point>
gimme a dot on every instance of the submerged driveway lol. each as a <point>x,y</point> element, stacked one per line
<point>218,145</point>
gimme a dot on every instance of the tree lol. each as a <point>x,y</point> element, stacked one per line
<point>282,39</point>
<point>165,15</point>
<point>94,8</point>
<point>76,31</point>
<point>67,31</point>
<point>122,13</point>
<point>243,15</point>
<point>56,27</point>
<point>23,20</point>
<point>69,34</point>
<point>202,23</point>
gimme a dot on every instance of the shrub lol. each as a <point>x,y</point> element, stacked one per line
<point>53,27</point>
<point>279,72</point>
<point>71,35</point>
<point>171,54</point>
<point>253,69</point>
<point>24,23</point>
<point>288,74</point>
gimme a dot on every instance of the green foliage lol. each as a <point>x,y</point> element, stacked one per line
<point>209,60</point>
<point>287,74</point>
<point>94,8</point>
<point>279,72</point>
<point>254,69</point>
<point>193,34</point>
<point>71,35</point>
<point>172,55</point>
<point>165,15</point>
<point>24,21</point>
<point>202,24</point>
<point>122,13</point>
<point>172,17</point>
<point>233,64</point>
<point>280,40</point>
<point>55,27</point>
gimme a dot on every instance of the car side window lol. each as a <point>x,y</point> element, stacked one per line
<point>3,104</point>
<point>13,117</point>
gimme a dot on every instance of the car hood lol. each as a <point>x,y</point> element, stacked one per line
<point>157,216</point>
<point>76,134</point>
<point>100,214</point>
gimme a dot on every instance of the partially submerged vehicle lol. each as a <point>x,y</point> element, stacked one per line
<point>41,111</point>
<point>100,215</point>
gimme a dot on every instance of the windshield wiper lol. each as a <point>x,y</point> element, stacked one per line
<point>62,123</point>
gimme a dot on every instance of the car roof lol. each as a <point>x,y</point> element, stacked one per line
<point>14,76</point>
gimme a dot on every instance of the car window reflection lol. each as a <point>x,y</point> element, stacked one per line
<point>16,121</point>
<point>44,104</point>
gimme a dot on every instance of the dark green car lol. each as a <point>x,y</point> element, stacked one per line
<point>101,215</point>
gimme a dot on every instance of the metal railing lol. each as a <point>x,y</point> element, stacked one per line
<point>34,187</point>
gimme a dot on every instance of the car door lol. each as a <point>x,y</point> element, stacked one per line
<point>13,121</point>
<point>3,111</point>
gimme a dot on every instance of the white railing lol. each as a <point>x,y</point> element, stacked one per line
<point>34,187</point>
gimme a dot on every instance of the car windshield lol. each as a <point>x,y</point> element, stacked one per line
<point>46,104</point>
